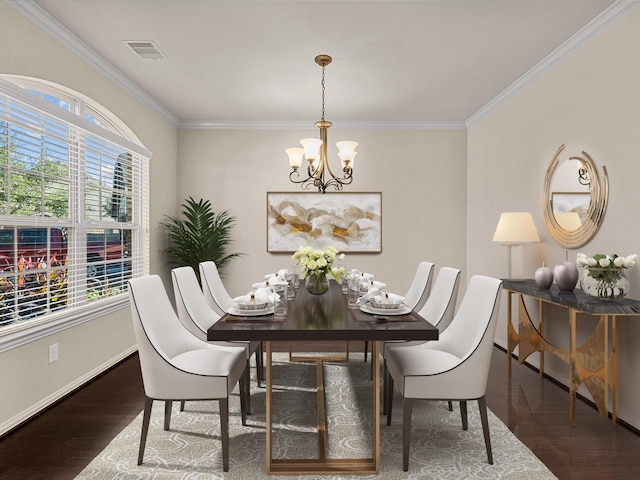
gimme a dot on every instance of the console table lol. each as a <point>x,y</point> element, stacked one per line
<point>595,362</point>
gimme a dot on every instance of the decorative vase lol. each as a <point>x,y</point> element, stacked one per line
<point>604,283</point>
<point>544,277</point>
<point>566,275</point>
<point>317,284</point>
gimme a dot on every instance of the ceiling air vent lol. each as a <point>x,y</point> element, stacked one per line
<point>146,49</point>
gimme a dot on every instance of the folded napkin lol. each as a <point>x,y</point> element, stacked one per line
<point>379,296</point>
<point>273,280</point>
<point>261,295</point>
<point>373,292</point>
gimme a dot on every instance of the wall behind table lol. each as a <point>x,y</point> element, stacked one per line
<point>421,174</point>
<point>591,102</point>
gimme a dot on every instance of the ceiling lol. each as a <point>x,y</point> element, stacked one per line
<point>242,62</point>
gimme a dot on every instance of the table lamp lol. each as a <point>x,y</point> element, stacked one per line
<point>515,228</point>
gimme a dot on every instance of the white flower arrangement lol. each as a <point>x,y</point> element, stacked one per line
<point>318,263</point>
<point>606,268</point>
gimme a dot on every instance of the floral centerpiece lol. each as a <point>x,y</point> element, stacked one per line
<point>316,265</point>
<point>603,275</point>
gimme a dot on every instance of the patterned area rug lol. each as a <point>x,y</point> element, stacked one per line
<point>440,449</point>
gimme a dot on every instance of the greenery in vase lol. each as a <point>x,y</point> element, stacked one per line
<point>606,268</point>
<point>318,263</point>
<point>203,236</point>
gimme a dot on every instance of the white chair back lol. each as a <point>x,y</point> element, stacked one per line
<point>215,293</point>
<point>472,331</point>
<point>441,304</point>
<point>420,287</point>
<point>159,335</point>
<point>193,310</point>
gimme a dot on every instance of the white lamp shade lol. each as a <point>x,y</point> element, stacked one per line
<point>347,152</point>
<point>515,228</point>
<point>295,156</point>
<point>311,147</point>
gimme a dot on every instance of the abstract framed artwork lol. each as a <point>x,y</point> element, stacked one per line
<point>351,222</point>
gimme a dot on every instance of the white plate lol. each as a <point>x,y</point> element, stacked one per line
<point>250,313</point>
<point>403,310</point>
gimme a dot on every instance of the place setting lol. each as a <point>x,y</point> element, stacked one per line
<point>267,297</point>
<point>370,296</point>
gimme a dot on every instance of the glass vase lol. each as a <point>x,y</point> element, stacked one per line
<point>604,283</point>
<point>317,284</point>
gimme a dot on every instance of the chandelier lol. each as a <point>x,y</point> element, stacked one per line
<point>314,150</point>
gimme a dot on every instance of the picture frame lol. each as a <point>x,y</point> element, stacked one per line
<point>578,202</point>
<point>350,222</point>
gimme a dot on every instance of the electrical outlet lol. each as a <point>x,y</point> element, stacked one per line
<point>53,353</point>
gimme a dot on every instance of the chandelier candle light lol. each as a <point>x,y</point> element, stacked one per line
<point>315,152</point>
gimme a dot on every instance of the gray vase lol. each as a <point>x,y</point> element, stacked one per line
<point>544,277</point>
<point>566,276</point>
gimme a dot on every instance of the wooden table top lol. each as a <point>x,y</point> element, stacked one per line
<point>323,318</point>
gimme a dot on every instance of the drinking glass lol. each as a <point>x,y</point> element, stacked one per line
<point>280,301</point>
<point>354,291</point>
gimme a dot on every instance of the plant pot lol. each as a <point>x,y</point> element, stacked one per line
<point>604,283</point>
<point>317,284</point>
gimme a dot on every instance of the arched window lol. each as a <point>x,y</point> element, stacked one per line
<point>73,204</point>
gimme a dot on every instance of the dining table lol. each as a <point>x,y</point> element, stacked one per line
<point>323,318</point>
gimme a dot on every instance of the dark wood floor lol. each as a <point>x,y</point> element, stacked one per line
<point>59,443</point>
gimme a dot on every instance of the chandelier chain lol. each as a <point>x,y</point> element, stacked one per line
<point>322,116</point>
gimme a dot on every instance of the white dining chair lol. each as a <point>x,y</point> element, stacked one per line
<point>454,367</point>
<point>178,366</point>
<point>417,293</point>
<point>197,316</point>
<point>438,311</point>
<point>220,301</point>
<point>420,287</point>
<point>214,290</point>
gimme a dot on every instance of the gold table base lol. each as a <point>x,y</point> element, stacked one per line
<point>322,464</point>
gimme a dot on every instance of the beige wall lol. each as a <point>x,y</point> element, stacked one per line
<point>423,204</point>
<point>590,102</point>
<point>30,383</point>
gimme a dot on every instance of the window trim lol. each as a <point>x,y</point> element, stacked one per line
<point>18,334</point>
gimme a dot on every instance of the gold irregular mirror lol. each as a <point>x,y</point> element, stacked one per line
<point>575,198</point>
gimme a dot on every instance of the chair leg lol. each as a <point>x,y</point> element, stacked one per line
<point>146,417</point>
<point>482,406</point>
<point>385,381</point>
<point>246,379</point>
<point>450,404</point>
<point>463,414</point>
<point>366,350</point>
<point>182,403</point>
<point>224,432</point>
<point>389,395</point>
<point>242,385</point>
<point>406,432</point>
<point>259,365</point>
<point>168,404</point>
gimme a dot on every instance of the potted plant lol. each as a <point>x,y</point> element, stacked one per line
<point>202,236</point>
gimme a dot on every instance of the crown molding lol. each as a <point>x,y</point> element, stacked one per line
<point>299,125</point>
<point>41,18</point>
<point>580,38</point>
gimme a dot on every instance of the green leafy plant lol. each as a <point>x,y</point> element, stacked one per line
<point>202,236</point>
